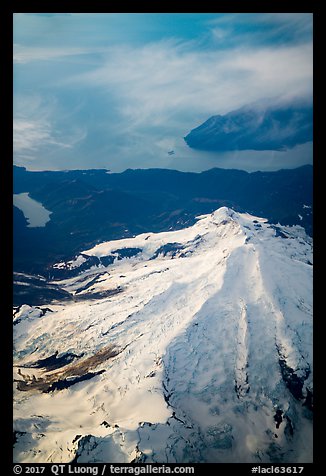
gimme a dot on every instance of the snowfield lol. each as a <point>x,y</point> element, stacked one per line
<point>195,347</point>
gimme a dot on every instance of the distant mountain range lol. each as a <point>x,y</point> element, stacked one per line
<point>256,127</point>
<point>91,206</point>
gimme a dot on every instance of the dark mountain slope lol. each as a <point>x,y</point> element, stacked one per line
<point>93,206</point>
<point>255,127</point>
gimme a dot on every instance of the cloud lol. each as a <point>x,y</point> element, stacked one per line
<point>33,135</point>
<point>167,82</point>
<point>35,129</point>
<point>119,104</point>
<point>28,135</point>
<point>289,27</point>
<point>26,54</point>
<point>257,29</point>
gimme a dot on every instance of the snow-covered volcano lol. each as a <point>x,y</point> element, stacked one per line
<point>186,346</point>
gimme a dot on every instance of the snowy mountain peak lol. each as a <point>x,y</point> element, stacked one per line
<point>183,346</point>
<point>223,213</point>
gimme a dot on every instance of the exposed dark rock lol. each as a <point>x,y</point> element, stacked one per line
<point>105,424</point>
<point>35,291</point>
<point>88,443</point>
<point>127,252</point>
<point>61,384</point>
<point>53,361</point>
<point>98,295</point>
<point>90,283</point>
<point>77,437</point>
<point>293,382</point>
<point>176,418</point>
<point>168,249</point>
<point>106,260</point>
<point>72,373</point>
<point>278,417</point>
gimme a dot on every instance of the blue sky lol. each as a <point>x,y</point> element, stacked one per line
<point>120,91</point>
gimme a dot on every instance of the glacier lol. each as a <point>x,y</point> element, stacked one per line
<point>185,346</point>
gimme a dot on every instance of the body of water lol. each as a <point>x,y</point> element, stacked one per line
<point>34,212</point>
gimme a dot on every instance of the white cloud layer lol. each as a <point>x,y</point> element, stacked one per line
<point>160,82</point>
<point>25,54</point>
<point>35,130</point>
